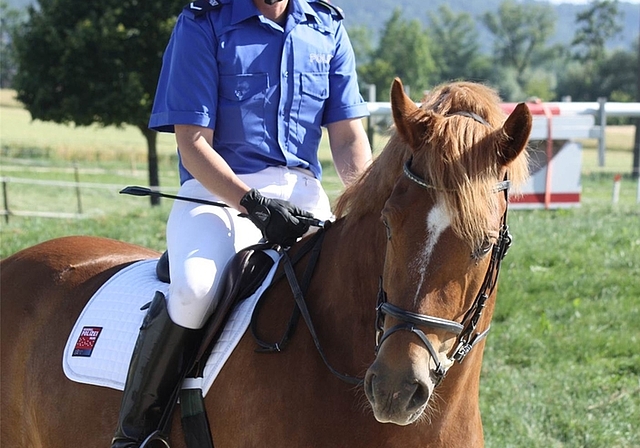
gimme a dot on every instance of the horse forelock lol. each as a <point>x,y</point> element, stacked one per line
<point>457,156</point>
<point>461,159</point>
<point>447,99</point>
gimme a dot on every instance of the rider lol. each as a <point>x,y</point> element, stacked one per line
<point>245,86</point>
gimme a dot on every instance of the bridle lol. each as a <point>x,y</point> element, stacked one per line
<point>465,331</point>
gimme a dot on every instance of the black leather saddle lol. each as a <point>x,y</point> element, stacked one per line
<point>242,276</point>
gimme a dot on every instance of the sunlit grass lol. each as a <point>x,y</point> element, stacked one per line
<point>561,367</point>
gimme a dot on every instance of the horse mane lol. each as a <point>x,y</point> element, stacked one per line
<point>458,156</point>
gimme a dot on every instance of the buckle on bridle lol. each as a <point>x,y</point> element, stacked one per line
<point>462,351</point>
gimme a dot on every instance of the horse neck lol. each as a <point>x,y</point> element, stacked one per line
<point>355,254</point>
<point>344,287</point>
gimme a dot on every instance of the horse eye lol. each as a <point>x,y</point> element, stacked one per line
<point>483,250</point>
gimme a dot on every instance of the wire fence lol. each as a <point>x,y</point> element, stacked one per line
<point>47,198</point>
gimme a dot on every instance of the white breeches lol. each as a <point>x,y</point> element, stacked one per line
<point>201,239</point>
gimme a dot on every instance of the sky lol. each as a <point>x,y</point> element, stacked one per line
<point>584,2</point>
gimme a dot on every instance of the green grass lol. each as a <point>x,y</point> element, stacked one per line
<point>22,137</point>
<point>562,365</point>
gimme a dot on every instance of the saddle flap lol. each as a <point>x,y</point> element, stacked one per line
<point>242,276</point>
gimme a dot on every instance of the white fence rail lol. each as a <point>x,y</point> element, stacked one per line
<point>580,129</point>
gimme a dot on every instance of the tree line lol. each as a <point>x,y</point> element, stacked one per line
<point>98,62</point>
<point>522,63</point>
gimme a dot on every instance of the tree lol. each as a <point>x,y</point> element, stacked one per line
<point>615,76</point>
<point>636,140</point>
<point>521,32</point>
<point>596,25</point>
<point>94,62</point>
<point>9,21</point>
<point>403,51</point>
<point>456,47</point>
<point>361,40</point>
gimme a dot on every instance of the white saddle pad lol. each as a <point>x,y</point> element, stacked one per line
<point>100,345</point>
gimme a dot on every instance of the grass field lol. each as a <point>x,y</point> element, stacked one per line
<point>562,364</point>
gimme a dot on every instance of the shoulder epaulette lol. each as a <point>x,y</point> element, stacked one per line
<point>335,10</point>
<point>201,7</point>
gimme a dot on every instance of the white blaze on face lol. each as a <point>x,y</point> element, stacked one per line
<point>437,222</point>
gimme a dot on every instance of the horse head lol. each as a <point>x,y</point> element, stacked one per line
<point>446,233</point>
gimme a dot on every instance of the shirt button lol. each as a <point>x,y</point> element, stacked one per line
<point>285,74</point>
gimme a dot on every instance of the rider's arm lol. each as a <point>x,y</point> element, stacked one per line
<point>207,166</point>
<point>349,147</point>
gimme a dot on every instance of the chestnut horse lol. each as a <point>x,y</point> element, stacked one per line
<point>432,261</point>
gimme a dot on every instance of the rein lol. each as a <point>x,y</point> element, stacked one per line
<point>466,334</point>
<point>467,337</point>
<point>314,246</point>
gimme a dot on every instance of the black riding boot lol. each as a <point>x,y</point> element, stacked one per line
<point>163,353</point>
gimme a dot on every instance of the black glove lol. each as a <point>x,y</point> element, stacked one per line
<point>277,219</point>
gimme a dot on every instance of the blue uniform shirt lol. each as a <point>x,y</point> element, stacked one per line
<point>264,90</point>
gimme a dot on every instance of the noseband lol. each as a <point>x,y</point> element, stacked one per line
<point>465,331</point>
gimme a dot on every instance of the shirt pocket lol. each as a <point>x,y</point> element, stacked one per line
<point>241,106</point>
<point>315,85</point>
<point>315,91</point>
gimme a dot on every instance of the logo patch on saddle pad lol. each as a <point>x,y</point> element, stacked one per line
<point>86,341</point>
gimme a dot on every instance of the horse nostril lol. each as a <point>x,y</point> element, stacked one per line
<point>419,398</point>
<point>368,386</point>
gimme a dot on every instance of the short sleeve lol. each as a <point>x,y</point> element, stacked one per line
<point>188,83</point>
<point>345,100</point>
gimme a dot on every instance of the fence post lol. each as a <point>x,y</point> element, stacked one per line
<point>370,124</point>
<point>5,197</point>
<point>603,128</point>
<point>77,178</point>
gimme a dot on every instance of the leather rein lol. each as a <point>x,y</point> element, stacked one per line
<point>466,335</point>
<point>313,246</point>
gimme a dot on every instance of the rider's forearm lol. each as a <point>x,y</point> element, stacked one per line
<point>207,166</point>
<point>350,149</point>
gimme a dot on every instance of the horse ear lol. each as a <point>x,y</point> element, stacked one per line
<point>406,116</point>
<point>515,134</point>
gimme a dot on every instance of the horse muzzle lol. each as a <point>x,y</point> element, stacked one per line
<point>397,398</point>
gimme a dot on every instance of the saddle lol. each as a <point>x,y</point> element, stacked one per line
<point>241,277</point>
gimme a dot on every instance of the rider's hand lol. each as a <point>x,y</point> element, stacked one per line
<point>277,219</point>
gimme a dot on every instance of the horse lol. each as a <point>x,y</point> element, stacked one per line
<point>401,298</point>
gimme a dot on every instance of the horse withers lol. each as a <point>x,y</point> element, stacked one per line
<point>401,296</point>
